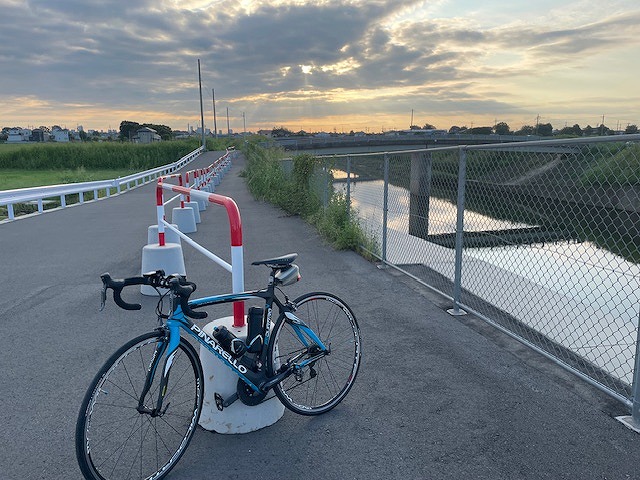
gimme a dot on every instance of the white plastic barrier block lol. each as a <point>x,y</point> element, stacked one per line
<point>184,219</point>
<point>196,210</point>
<point>218,378</point>
<point>202,204</point>
<point>167,257</point>
<point>169,235</point>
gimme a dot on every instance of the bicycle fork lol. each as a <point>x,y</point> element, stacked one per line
<point>168,351</point>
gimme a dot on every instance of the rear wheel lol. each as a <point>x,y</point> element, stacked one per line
<point>319,386</point>
<point>113,439</point>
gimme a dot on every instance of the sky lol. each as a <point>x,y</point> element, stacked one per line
<point>362,65</point>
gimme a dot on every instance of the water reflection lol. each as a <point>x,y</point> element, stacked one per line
<point>577,294</point>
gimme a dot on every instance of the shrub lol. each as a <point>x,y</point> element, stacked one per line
<point>267,179</point>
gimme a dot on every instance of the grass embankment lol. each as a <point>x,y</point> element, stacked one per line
<point>615,165</point>
<point>296,195</point>
<point>33,165</point>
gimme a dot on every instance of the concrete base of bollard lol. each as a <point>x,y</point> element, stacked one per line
<point>168,258</point>
<point>196,210</point>
<point>218,378</point>
<point>184,219</point>
<point>169,235</point>
<point>202,204</point>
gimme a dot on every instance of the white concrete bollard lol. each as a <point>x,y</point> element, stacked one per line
<point>202,204</point>
<point>196,210</point>
<point>169,235</point>
<point>167,257</point>
<point>184,219</point>
<point>218,378</point>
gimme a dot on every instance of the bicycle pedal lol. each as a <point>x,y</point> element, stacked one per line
<point>219,401</point>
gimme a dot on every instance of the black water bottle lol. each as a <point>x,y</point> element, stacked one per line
<point>227,340</point>
<point>254,329</point>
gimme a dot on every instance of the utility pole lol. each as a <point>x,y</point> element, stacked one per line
<point>411,124</point>
<point>215,124</point>
<point>228,128</point>
<point>244,126</point>
<point>204,144</point>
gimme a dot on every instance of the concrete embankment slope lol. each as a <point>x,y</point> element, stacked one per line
<point>437,397</point>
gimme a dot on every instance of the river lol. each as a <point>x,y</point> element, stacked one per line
<point>577,294</point>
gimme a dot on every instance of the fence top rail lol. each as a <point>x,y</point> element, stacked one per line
<point>33,193</point>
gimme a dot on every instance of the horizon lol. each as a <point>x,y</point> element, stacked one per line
<point>273,64</point>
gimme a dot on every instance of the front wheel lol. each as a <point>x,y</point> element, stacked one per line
<point>319,386</point>
<point>114,439</point>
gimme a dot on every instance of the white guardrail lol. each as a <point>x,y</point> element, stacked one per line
<point>115,186</point>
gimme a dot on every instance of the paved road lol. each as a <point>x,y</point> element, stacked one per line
<point>438,397</point>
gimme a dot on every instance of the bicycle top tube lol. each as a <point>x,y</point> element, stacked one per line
<point>229,297</point>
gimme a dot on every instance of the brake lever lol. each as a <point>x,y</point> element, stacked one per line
<point>103,297</point>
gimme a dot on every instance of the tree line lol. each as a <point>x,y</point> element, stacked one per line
<point>541,129</point>
<point>500,128</point>
<point>128,130</point>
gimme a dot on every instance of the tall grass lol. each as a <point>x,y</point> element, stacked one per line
<point>616,164</point>
<point>293,192</point>
<point>95,156</point>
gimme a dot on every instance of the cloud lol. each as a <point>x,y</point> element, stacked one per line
<point>296,58</point>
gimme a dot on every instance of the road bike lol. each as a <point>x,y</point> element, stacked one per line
<point>142,408</point>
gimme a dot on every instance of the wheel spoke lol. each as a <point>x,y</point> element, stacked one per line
<point>114,440</point>
<point>334,373</point>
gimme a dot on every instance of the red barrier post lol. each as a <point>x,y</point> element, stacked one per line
<point>237,257</point>
<point>160,211</point>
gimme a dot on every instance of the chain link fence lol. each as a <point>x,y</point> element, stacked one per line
<point>541,239</point>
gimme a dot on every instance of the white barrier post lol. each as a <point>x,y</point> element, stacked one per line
<point>183,216</point>
<point>189,204</point>
<point>161,255</point>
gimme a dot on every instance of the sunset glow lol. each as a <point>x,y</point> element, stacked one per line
<point>332,66</point>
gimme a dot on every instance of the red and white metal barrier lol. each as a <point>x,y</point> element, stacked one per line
<point>237,257</point>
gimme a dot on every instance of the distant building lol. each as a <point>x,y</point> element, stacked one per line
<point>207,131</point>
<point>60,135</point>
<point>17,135</point>
<point>38,135</point>
<point>146,135</point>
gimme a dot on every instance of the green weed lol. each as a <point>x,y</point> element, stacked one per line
<point>291,185</point>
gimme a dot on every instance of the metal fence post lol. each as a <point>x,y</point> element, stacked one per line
<point>457,278</point>
<point>348,186</point>
<point>325,179</point>
<point>635,406</point>
<point>385,207</point>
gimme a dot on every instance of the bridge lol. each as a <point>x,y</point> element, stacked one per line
<point>437,397</point>
<point>380,142</point>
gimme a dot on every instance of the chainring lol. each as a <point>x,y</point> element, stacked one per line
<point>247,395</point>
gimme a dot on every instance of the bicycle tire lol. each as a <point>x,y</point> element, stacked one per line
<point>321,386</point>
<point>114,440</point>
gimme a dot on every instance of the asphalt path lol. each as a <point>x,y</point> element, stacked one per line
<point>437,397</point>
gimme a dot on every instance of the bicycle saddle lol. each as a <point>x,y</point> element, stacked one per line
<point>277,262</point>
